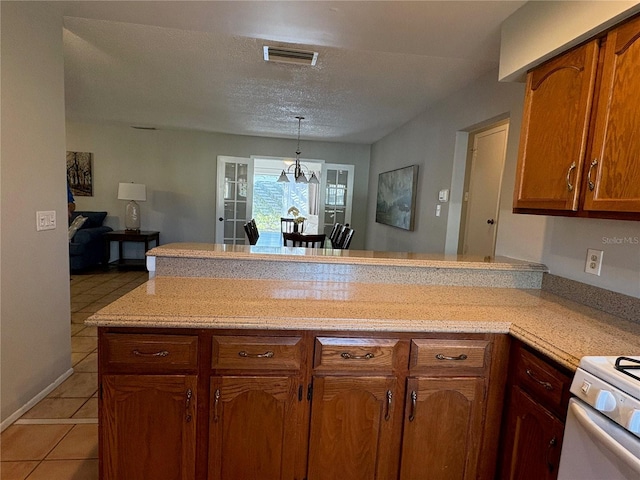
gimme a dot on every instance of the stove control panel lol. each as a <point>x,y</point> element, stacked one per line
<point>619,406</point>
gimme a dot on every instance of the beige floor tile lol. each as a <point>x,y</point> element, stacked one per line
<point>88,410</point>
<point>76,328</point>
<point>16,470</point>
<point>83,344</point>
<point>78,385</point>
<point>77,357</point>
<point>88,365</point>
<point>30,442</point>
<point>80,443</point>
<point>55,408</point>
<point>79,317</point>
<point>88,332</point>
<point>66,470</point>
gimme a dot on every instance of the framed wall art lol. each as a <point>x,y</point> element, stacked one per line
<point>396,199</point>
<point>80,174</point>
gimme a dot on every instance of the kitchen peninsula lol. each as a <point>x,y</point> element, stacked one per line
<point>325,364</point>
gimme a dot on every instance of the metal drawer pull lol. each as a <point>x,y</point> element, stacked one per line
<point>216,396</point>
<point>267,354</point>
<point>414,400</point>
<point>546,385</point>
<point>593,164</point>
<point>348,356</point>
<point>161,353</point>
<point>440,356</point>
<point>569,184</point>
<point>187,405</point>
<point>389,398</point>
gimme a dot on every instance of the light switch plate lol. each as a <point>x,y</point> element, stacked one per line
<point>46,220</point>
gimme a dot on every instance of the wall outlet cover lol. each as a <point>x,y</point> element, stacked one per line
<point>593,264</point>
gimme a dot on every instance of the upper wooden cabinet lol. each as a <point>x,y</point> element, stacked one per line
<point>554,130</point>
<point>579,149</point>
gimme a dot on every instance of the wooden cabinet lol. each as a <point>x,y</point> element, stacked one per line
<point>534,419</point>
<point>579,151</point>
<point>228,404</point>
<point>257,408</point>
<point>148,420</point>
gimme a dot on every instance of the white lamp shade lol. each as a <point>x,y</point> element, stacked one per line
<point>132,191</point>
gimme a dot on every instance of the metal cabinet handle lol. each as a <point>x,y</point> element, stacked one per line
<point>188,405</point>
<point>572,167</point>
<point>349,356</point>
<point>546,385</point>
<point>552,443</point>
<point>216,402</point>
<point>267,354</point>
<point>440,356</point>
<point>389,399</point>
<point>161,353</point>
<point>414,400</point>
<point>593,164</point>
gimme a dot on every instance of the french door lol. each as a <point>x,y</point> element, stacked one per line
<point>336,200</point>
<point>234,199</point>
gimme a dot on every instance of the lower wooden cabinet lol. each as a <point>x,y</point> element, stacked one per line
<point>533,425</point>
<point>237,405</point>
<point>148,426</point>
<point>253,422</point>
<point>442,428</point>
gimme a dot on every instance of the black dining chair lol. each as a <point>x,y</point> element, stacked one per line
<point>337,227</point>
<point>251,229</point>
<point>295,239</point>
<point>344,238</point>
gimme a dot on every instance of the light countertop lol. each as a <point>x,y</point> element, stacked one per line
<point>561,329</point>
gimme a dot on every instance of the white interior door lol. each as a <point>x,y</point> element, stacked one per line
<point>336,196</point>
<point>234,199</point>
<point>489,150</point>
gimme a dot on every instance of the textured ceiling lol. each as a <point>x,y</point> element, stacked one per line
<point>199,65</point>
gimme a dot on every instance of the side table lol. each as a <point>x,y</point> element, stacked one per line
<point>122,236</point>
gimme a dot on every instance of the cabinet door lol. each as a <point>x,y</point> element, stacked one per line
<point>148,427</point>
<point>554,131</point>
<point>615,176</point>
<point>533,440</point>
<point>255,430</point>
<point>352,421</point>
<point>442,428</point>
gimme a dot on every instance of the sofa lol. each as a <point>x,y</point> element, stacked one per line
<point>86,247</point>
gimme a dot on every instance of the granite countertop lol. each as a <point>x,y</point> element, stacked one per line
<point>328,255</point>
<point>563,330</point>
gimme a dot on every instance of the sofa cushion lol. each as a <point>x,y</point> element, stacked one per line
<point>94,219</point>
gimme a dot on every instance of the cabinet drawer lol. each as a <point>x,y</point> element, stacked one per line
<point>142,352</point>
<point>257,353</point>
<point>332,353</point>
<point>450,356</point>
<point>546,384</point>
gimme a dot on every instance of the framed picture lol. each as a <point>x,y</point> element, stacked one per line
<point>79,173</point>
<point>396,200</point>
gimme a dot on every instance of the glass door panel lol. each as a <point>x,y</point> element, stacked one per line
<point>234,199</point>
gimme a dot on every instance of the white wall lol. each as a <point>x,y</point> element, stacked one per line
<point>35,318</point>
<point>179,169</point>
<point>434,141</point>
<point>538,30</point>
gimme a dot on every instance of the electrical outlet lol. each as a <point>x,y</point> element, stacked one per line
<point>46,220</point>
<point>594,261</point>
<point>438,209</point>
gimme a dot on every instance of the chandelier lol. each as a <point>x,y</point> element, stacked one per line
<point>298,168</point>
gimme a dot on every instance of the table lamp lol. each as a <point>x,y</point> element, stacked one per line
<point>132,192</point>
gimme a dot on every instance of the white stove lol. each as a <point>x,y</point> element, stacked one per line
<point>602,432</point>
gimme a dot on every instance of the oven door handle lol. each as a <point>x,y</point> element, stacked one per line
<point>604,439</point>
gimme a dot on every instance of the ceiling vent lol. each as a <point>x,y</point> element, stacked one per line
<point>289,55</point>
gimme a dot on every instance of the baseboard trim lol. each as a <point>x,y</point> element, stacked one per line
<point>10,420</point>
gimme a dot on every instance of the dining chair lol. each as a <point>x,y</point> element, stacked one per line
<point>344,238</point>
<point>295,239</point>
<point>289,225</point>
<point>334,233</point>
<point>251,229</point>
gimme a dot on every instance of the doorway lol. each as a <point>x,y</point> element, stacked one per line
<point>483,182</point>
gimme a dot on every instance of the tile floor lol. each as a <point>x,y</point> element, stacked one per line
<point>58,438</point>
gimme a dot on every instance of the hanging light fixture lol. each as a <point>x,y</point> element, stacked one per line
<point>298,173</point>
